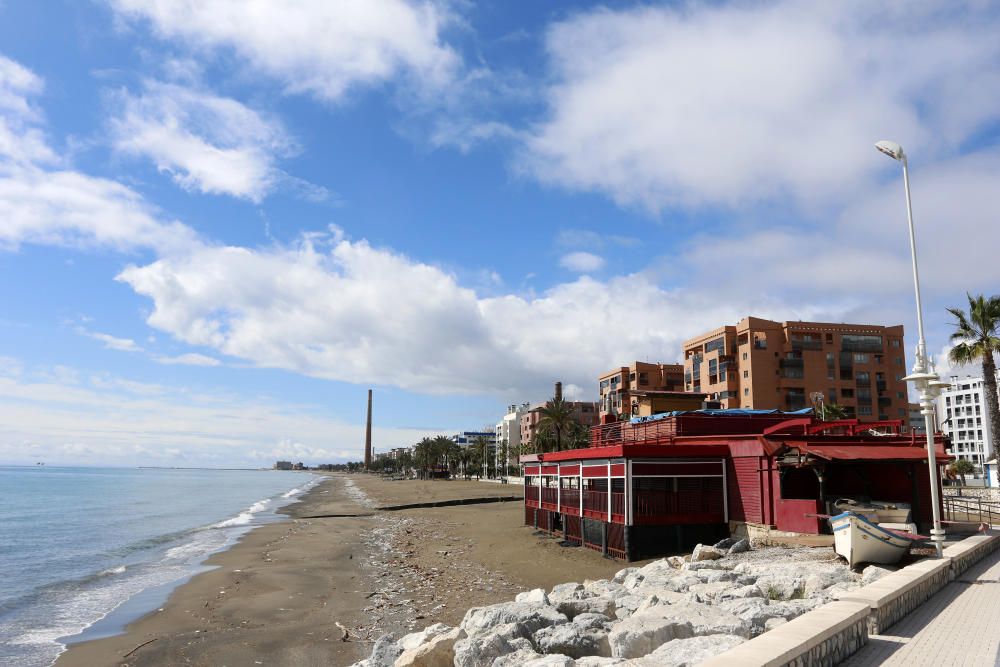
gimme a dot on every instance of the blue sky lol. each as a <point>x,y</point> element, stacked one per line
<point>221,221</point>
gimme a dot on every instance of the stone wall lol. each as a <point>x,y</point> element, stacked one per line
<point>986,493</point>
<point>971,550</point>
<point>836,648</point>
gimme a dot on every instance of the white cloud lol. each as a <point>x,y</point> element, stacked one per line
<point>581,262</point>
<point>320,47</point>
<point>206,143</point>
<point>189,359</point>
<point>112,342</point>
<point>343,310</point>
<point>119,421</point>
<point>695,105</point>
<point>43,202</point>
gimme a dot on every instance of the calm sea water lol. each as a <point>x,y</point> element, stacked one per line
<point>77,544</point>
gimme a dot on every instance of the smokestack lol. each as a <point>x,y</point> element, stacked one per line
<point>368,433</point>
<point>558,391</point>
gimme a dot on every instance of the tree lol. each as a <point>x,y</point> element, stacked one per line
<point>977,337</point>
<point>481,446</point>
<point>829,412</point>
<point>962,467</point>
<point>557,415</point>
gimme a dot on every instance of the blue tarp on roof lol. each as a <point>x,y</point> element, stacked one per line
<point>734,412</point>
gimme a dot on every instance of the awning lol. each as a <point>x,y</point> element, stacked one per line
<point>869,452</point>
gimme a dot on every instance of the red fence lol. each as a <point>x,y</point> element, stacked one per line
<point>569,502</point>
<point>550,498</point>
<point>687,506</point>
<point>531,494</point>
<point>595,504</point>
<point>663,430</point>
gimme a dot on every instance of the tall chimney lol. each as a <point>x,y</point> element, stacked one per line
<point>558,391</point>
<point>368,433</point>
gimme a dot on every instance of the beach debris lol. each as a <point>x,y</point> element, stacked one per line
<point>345,633</point>
<point>145,643</point>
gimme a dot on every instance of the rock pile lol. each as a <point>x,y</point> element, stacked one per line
<point>671,612</point>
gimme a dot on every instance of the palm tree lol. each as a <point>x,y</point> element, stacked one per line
<point>962,467</point>
<point>481,445</point>
<point>829,412</point>
<point>557,415</point>
<point>977,337</point>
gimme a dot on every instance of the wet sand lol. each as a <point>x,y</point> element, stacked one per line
<point>275,597</point>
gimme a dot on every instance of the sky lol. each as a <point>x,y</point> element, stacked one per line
<point>222,221</point>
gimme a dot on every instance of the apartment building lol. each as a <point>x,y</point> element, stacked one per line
<point>620,388</point>
<point>585,413</point>
<point>961,413</point>
<point>762,364</point>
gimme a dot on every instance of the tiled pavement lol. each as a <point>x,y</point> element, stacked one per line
<point>960,625</point>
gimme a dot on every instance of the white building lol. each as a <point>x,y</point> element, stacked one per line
<point>508,436</point>
<point>961,412</point>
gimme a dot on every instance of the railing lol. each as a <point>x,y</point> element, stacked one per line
<point>569,501</point>
<point>595,504</point>
<point>664,504</point>
<point>662,431</point>
<point>959,508</point>
<point>799,344</point>
<point>531,494</point>
<point>618,505</point>
<point>550,498</point>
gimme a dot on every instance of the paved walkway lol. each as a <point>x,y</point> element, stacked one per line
<point>960,625</point>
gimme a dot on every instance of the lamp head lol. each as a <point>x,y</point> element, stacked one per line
<point>892,149</point>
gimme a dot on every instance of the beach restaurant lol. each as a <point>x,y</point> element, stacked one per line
<point>662,484</point>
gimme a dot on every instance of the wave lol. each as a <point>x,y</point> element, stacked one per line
<point>112,570</point>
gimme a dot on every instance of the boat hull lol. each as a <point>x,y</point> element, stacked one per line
<point>860,541</point>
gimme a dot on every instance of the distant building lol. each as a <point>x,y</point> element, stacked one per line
<point>618,386</point>
<point>961,413</point>
<point>917,423</point>
<point>469,438</point>
<point>763,364</point>
<point>283,465</point>
<point>654,402</point>
<point>397,453</point>
<point>508,435</point>
<point>299,466</point>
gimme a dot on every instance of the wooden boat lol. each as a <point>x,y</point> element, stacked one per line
<point>860,541</point>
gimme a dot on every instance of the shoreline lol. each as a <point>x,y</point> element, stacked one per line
<point>277,594</point>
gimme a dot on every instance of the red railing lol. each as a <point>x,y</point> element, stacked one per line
<point>663,430</point>
<point>550,498</point>
<point>687,506</point>
<point>569,502</point>
<point>531,494</point>
<point>595,504</point>
<point>618,507</point>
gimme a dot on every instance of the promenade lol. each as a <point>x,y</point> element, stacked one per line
<point>960,625</point>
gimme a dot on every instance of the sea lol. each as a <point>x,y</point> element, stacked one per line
<point>85,551</point>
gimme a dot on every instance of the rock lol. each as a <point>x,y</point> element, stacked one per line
<point>724,544</point>
<point>415,639</point>
<point>873,573</point>
<point>772,623</point>
<point>439,651</point>
<point>713,576</point>
<point>384,653</point>
<point>595,605</point>
<point>706,565</point>
<point>592,621</point>
<point>603,588</point>
<point>755,611</point>
<point>704,619</point>
<point>625,605</point>
<point>794,608</point>
<point>535,595</point>
<point>481,650</point>
<point>595,661</point>
<point>573,640</point>
<point>662,598</point>
<point>688,652</point>
<point>781,586</point>
<point>739,592</point>
<point>675,561</point>
<point>532,616</point>
<point>570,591</point>
<point>641,634</point>
<point>710,591</point>
<point>681,583</point>
<point>551,661</point>
<point>516,659</point>
<point>703,552</point>
<point>740,546</point>
<point>620,575</point>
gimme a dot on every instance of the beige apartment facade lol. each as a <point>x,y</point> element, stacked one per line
<point>762,364</point>
<point>619,386</point>
<point>584,413</point>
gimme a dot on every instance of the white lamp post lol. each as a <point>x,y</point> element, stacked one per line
<point>925,381</point>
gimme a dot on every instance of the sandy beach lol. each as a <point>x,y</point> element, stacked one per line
<point>275,597</point>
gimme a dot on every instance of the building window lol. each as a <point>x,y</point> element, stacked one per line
<point>744,356</point>
<point>829,339</point>
<point>865,410</point>
<point>643,378</point>
<point>894,342</point>
<point>746,392</point>
<point>746,374</point>
<point>861,358</point>
<point>847,393</point>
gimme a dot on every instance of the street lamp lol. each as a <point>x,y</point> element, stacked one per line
<point>926,382</point>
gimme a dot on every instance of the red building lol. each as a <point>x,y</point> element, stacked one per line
<point>666,483</point>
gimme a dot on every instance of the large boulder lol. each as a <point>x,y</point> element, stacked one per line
<point>415,639</point>
<point>438,651</point>
<point>705,552</point>
<point>517,658</point>
<point>535,595</point>
<point>705,619</point>
<point>740,546</point>
<point>570,591</point>
<point>592,622</point>
<point>532,616</point>
<point>592,605</point>
<point>725,543</point>
<point>873,573</point>
<point>551,661</point>
<point>641,634</point>
<point>384,653</point>
<point>708,593</point>
<point>688,652</point>
<point>739,592</point>
<point>573,640</point>
<point>620,575</point>
<point>603,588</point>
<point>596,661</point>
<point>713,576</point>
<point>482,649</point>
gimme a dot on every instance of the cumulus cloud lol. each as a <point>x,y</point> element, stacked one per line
<point>320,47</point>
<point>581,262</point>
<point>120,421</point>
<point>206,143</point>
<point>344,310</point>
<point>189,359</point>
<point>728,105</point>
<point>42,201</point>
